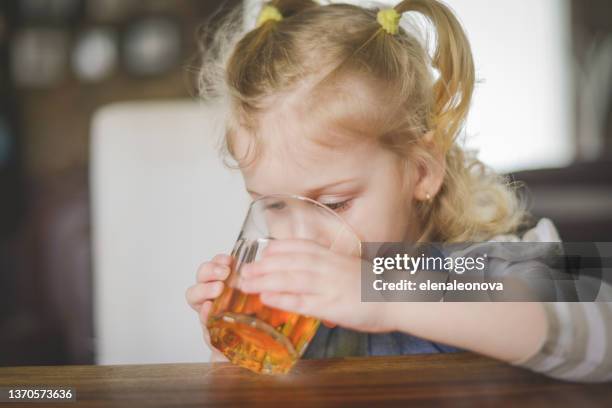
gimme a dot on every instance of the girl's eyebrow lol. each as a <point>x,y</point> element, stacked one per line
<point>316,190</point>
<point>320,189</point>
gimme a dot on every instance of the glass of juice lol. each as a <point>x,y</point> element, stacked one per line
<point>260,338</point>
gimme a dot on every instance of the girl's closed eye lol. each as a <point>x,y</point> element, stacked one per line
<point>339,206</point>
<point>277,205</point>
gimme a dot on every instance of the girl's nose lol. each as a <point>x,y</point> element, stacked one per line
<point>312,222</point>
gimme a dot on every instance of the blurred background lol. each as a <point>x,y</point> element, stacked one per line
<point>111,194</point>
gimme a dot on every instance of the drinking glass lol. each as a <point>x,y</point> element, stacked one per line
<point>252,335</point>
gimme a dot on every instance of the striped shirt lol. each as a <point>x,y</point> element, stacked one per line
<point>578,342</point>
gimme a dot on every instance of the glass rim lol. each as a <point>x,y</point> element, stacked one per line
<point>316,203</point>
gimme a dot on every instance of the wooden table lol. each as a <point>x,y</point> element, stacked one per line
<point>461,379</point>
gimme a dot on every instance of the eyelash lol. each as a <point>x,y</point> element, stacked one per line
<point>275,206</point>
<point>339,206</point>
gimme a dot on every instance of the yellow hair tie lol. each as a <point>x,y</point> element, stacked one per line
<point>269,13</point>
<point>389,20</point>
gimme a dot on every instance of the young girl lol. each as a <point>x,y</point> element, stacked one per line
<point>341,104</point>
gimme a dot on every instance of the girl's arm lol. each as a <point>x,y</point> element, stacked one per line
<point>571,341</point>
<point>506,331</point>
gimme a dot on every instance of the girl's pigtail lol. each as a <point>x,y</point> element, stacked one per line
<point>257,46</point>
<point>453,89</point>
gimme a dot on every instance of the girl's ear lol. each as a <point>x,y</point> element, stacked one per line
<point>430,170</point>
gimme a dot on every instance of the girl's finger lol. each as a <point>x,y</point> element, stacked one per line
<point>293,245</point>
<point>282,262</point>
<point>197,294</point>
<point>223,259</point>
<point>212,271</point>
<point>203,315</point>
<point>285,281</point>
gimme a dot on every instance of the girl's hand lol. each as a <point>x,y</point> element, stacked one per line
<point>209,286</point>
<point>303,277</point>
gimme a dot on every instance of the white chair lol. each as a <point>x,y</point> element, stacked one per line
<point>162,203</point>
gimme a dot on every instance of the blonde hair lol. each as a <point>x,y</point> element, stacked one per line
<point>421,94</point>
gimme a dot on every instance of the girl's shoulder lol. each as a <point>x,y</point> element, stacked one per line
<point>543,231</point>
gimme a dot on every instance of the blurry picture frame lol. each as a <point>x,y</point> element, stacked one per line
<point>152,46</point>
<point>95,54</point>
<point>39,57</point>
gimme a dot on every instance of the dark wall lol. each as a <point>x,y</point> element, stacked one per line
<point>45,252</point>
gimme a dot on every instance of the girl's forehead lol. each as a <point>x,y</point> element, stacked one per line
<point>307,120</point>
<point>294,140</point>
<point>286,156</point>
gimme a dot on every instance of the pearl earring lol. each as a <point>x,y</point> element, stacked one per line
<point>428,197</point>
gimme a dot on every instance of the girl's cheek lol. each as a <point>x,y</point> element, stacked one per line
<point>359,217</point>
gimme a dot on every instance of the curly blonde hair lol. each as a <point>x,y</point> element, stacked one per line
<point>412,94</point>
